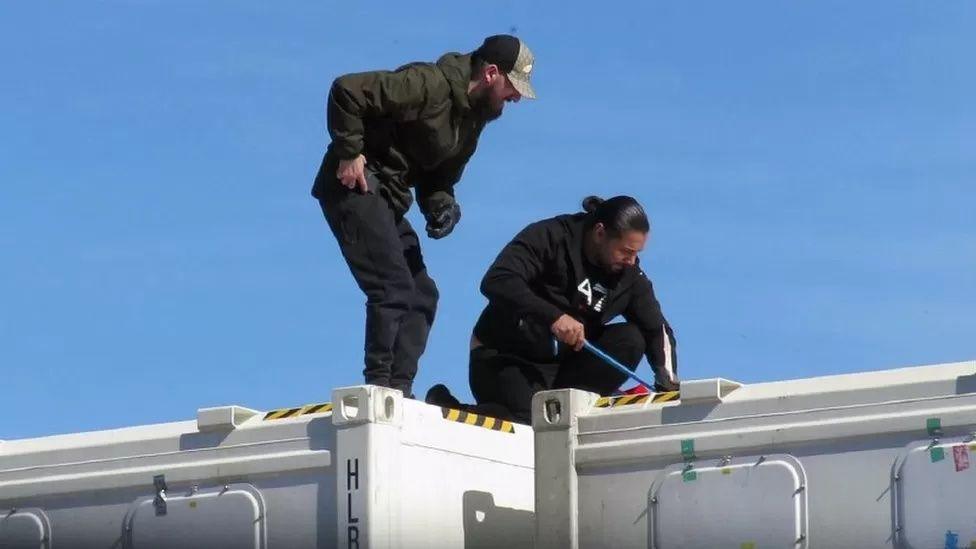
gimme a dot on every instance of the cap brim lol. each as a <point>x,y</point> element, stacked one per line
<point>522,86</point>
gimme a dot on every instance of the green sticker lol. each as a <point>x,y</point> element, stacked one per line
<point>934,426</point>
<point>748,545</point>
<point>689,476</point>
<point>936,454</point>
<point>688,448</point>
<point>726,471</point>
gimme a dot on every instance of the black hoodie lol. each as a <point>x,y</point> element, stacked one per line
<point>541,274</point>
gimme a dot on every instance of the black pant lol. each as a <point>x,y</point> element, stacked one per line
<point>503,384</point>
<point>383,253</point>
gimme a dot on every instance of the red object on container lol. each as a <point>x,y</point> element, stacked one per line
<point>961,456</point>
<point>636,390</point>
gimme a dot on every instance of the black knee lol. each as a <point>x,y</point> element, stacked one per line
<point>625,342</point>
<point>427,296</point>
<point>397,295</point>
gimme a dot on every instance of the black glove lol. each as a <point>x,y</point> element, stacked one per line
<point>666,386</point>
<point>441,222</point>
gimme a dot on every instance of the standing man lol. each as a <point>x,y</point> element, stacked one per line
<point>557,284</point>
<point>416,127</point>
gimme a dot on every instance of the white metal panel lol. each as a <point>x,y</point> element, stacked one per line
<point>382,472</point>
<point>230,517</point>
<point>745,502</point>
<point>408,477</point>
<point>785,397</point>
<point>220,462</point>
<point>464,504</point>
<point>24,529</point>
<point>847,430</point>
<point>935,487</point>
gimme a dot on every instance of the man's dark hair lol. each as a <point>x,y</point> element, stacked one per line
<point>477,66</point>
<point>618,214</point>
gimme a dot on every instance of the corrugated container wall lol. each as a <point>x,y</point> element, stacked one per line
<point>872,460</point>
<point>369,470</point>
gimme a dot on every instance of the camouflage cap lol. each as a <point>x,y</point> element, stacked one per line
<point>512,57</point>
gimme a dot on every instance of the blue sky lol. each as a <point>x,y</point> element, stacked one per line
<point>808,169</point>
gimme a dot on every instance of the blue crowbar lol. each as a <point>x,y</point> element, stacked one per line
<point>609,360</point>
<point>613,362</point>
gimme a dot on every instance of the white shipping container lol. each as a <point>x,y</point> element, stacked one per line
<point>377,471</point>
<point>870,460</point>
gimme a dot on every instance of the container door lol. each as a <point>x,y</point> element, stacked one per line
<point>24,529</point>
<point>230,517</point>
<point>935,483</point>
<point>742,503</point>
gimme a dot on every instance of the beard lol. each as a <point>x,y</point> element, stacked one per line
<point>604,263</point>
<point>612,270</point>
<point>484,109</point>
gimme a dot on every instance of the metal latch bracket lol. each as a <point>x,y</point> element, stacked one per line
<point>159,502</point>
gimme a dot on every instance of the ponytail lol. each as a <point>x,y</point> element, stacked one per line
<point>617,215</point>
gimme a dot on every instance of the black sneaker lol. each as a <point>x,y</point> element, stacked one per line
<point>440,395</point>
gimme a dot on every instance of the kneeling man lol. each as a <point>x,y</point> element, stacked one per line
<point>557,283</point>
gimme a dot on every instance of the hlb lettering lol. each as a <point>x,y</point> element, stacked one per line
<point>352,485</point>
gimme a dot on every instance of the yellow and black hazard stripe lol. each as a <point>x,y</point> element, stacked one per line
<point>300,411</point>
<point>626,400</point>
<point>486,422</point>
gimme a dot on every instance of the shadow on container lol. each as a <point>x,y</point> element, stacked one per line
<point>489,526</point>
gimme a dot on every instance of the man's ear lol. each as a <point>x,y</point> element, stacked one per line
<point>599,232</point>
<point>490,73</point>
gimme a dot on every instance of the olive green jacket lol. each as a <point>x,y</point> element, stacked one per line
<point>414,125</point>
